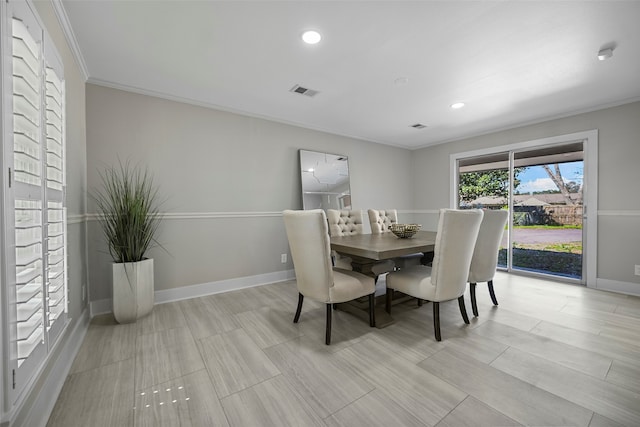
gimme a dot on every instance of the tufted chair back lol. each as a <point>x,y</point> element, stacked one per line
<point>308,237</point>
<point>381,220</point>
<point>345,222</point>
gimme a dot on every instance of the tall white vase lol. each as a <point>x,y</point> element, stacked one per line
<point>132,290</point>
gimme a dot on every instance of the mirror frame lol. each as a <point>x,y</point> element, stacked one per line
<point>328,170</point>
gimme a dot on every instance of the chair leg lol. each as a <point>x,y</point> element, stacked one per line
<point>389,298</point>
<point>436,320</point>
<point>300,300</point>
<point>491,293</point>
<point>327,339</point>
<point>420,302</point>
<point>474,303</point>
<point>372,310</point>
<point>463,309</point>
<point>335,306</point>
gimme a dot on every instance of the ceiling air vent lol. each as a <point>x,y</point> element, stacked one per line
<point>303,91</point>
<point>418,126</point>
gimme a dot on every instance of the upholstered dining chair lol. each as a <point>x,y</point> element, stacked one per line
<point>346,223</point>
<point>447,278</point>
<point>316,278</point>
<point>380,221</point>
<point>485,255</point>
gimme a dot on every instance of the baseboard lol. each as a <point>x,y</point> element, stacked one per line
<point>193,291</point>
<point>628,288</point>
<point>39,412</point>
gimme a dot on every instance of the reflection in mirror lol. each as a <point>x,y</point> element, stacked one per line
<point>325,181</point>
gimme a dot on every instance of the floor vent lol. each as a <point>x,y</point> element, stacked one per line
<point>303,91</point>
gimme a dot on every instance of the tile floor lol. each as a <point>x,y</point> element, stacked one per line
<point>551,354</point>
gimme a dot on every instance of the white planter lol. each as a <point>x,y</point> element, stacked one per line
<point>132,290</point>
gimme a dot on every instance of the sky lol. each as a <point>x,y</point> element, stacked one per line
<point>536,179</point>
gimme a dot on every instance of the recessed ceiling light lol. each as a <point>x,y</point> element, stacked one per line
<point>457,105</point>
<point>311,37</point>
<point>605,54</point>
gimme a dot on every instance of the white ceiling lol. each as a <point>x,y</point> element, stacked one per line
<point>511,62</point>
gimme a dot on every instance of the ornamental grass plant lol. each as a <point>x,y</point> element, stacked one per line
<point>128,211</point>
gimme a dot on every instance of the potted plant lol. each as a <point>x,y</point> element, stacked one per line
<point>129,218</point>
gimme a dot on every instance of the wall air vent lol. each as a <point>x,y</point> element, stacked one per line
<point>303,91</point>
<point>418,126</point>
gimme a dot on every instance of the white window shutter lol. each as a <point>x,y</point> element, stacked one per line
<point>35,273</point>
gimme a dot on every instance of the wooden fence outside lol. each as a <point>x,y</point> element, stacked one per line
<point>565,214</point>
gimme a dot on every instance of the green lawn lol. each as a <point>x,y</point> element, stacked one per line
<point>548,227</point>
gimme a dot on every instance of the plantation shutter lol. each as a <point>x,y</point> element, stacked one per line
<point>35,229</point>
<point>54,159</point>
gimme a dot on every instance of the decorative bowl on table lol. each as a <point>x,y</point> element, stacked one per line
<point>405,230</point>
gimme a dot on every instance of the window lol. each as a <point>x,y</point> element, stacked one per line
<point>34,273</point>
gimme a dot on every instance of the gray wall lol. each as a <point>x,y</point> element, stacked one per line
<point>618,174</point>
<point>236,172</point>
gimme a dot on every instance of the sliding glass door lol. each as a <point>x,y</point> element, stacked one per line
<point>542,187</point>
<point>548,211</point>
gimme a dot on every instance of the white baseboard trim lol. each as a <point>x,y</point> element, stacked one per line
<point>193,291</point>
<point>38,414</point>
<point>628,288</point>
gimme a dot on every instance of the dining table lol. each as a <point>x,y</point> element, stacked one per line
<point>367,249</point>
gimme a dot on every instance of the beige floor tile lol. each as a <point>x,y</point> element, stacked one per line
<point>629,307</point>
<point>605,346</point>
<point>205,317</point>
<point>522,307</point>
<point>97,397</point>
<point>321,379</point>
<point>600,421</point>
<point>473,413</point>
<point>235,362</point>
<point>409,339</point>
<point>625,335</point>
<point>346,328</point>
<point>517,399</point>
<point>246,299</point>
<point>287,293</point>
<point>268,326</point>
<point>106,342</point>
<point>506,315</point>
<point>165,355</point>
<point>617,319</point>
<point>366,374</point>
<point>185,401</point>
<point>271,403</point>
<point>423,395</point>
<point>614,402</point>
<point>371,410</point>
<point>162,317</point>
<point>625,375</point>
<point>584,361</point>
<point>458,336</point>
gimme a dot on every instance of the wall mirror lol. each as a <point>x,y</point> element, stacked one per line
<point>325,180</point>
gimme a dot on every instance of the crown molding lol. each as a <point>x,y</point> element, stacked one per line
<point>63,19</point>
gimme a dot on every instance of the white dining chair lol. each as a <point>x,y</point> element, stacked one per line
<point>447,279</point>
<point>380,221</point>
<point>346,223</point>
<point>485,255</point>
<point>316,278</point>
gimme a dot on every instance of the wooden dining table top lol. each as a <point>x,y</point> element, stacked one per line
<point>383,246</point>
